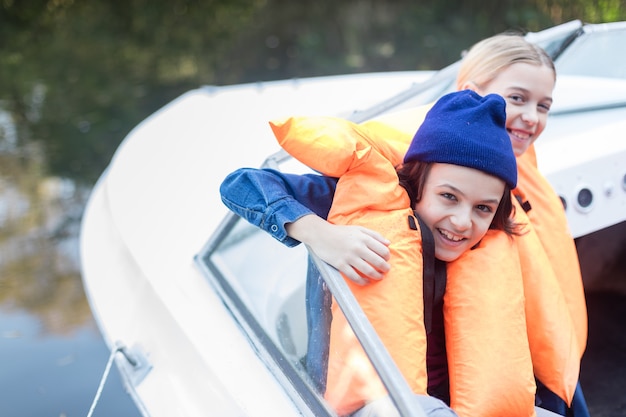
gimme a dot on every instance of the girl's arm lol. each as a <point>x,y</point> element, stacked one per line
<point>270,199</point>
<point>293,208</point>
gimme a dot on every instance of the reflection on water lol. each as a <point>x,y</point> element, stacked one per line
<point>53,354</point>
<point>39,268</point>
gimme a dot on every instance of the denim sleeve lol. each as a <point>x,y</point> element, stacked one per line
<point>269,199</point>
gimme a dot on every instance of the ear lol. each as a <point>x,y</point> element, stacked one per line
<point>470,85</point>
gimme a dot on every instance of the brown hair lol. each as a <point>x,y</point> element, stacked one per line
<point>413,176</point>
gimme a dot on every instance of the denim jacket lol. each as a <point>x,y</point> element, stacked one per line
<point>269,199</point>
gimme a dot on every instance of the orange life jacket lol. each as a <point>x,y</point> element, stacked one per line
<point>485,328</point>
<point>550,223</point>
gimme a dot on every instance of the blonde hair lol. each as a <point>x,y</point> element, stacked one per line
<point>487,58</point>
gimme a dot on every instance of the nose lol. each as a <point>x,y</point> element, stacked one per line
<point>530,115</point>
<point>461,220</point>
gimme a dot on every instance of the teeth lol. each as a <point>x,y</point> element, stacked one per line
<point>520,136</point>
<point>450,236</point>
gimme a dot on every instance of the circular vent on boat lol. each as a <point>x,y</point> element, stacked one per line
<point>584,199</point>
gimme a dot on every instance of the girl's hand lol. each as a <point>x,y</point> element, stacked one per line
<point>359,253</point>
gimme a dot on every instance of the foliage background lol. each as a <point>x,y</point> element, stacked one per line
<point>77,75</point>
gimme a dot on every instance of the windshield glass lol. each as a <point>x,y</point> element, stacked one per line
<point>596,54</point>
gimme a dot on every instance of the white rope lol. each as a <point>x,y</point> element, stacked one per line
<point>105,376</point>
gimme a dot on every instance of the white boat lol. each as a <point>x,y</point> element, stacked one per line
<point>210,311</point>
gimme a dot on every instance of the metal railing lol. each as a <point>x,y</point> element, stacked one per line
<point>399,390</point>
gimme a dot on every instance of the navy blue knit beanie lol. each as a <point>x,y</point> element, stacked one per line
<point>465,129</point>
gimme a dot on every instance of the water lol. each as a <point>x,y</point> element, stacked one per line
<point>53,355</point>
<point>51,374</point>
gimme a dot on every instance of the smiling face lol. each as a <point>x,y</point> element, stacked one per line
<point>527,89</point>
<point>457,205</point>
